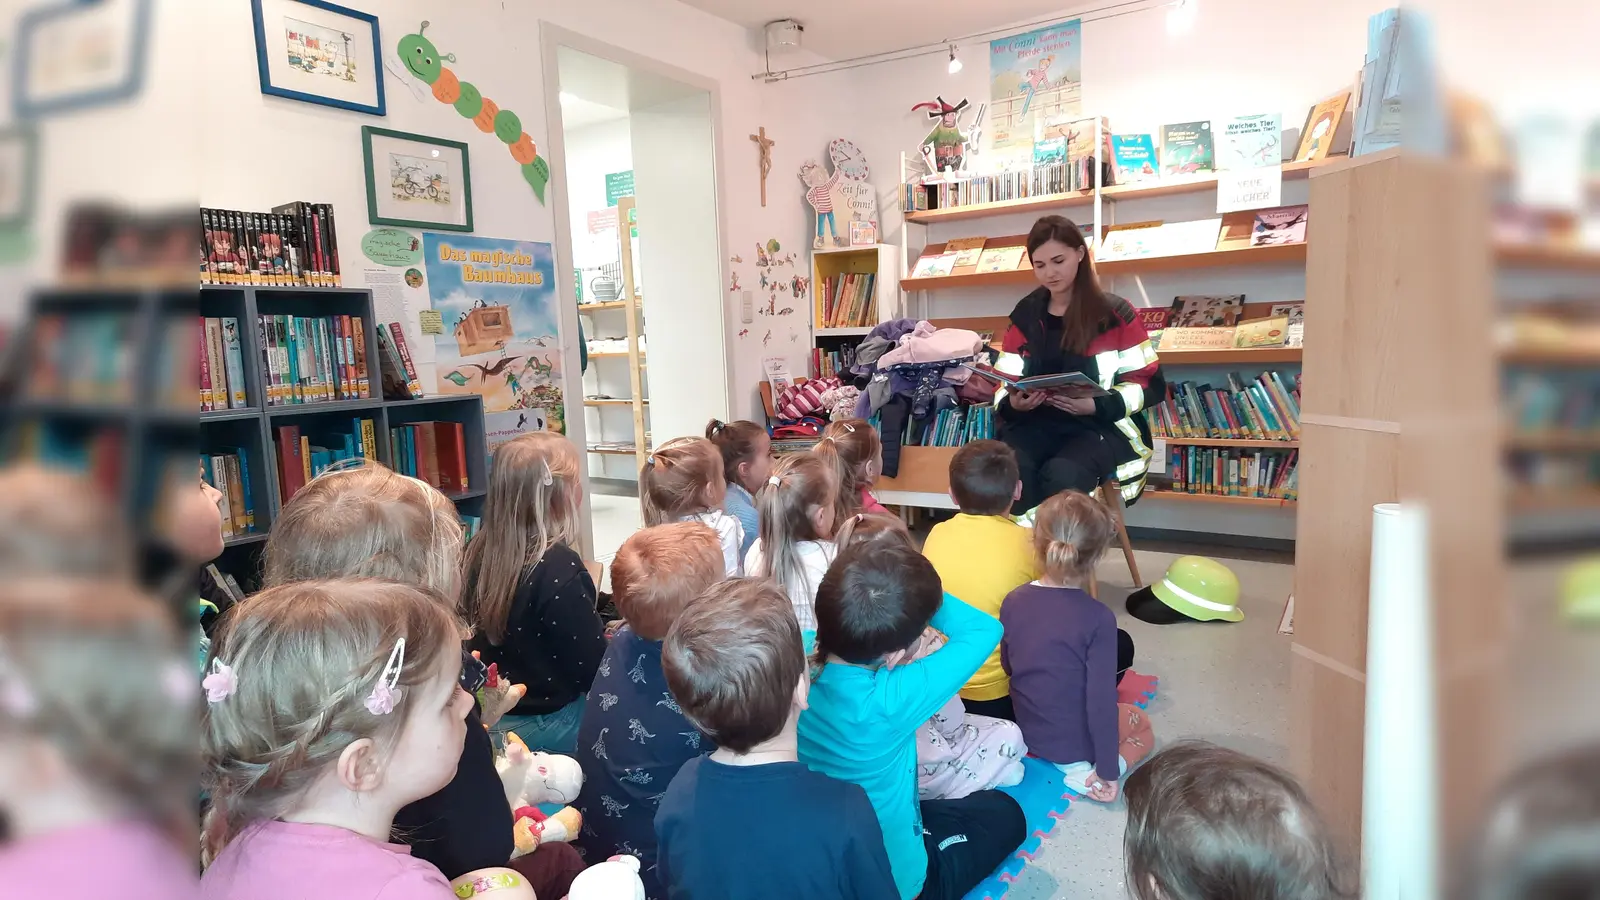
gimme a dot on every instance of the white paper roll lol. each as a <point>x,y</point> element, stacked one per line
<point>1398,840</point>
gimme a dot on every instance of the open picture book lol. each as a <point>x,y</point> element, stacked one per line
<point>1041,382</point>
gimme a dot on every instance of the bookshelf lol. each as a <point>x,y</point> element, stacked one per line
<point>250,431</point>
<point>630,363</point>
<point>833,334</point>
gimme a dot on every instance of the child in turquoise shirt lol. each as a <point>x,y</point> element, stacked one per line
<point>867,702</point>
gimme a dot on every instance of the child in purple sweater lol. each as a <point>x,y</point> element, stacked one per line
<point>1065,655</point>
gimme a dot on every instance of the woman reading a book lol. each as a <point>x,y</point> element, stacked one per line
<point>1079,436</point>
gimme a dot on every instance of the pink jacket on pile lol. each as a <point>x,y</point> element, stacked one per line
<point>929,344</point>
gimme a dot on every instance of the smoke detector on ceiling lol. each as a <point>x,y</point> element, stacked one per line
<point>784,35</point>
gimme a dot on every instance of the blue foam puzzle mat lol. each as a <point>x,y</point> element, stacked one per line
<point>1044,799</point>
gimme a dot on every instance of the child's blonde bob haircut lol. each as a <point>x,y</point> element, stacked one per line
<point>368,521</point>
<point>1071,531</point>
<point>305,657</point>
<point>682,478</point>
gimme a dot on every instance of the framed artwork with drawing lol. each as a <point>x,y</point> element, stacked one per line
<point>316,52</point>
<point>71,56</point>
<point>416,181</point>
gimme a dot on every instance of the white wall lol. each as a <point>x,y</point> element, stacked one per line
<point>593,152</point>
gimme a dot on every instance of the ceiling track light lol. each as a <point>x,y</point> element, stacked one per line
<point>955,64</point>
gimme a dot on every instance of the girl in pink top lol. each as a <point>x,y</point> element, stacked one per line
<point>330,705</point>
<point>855,451</point>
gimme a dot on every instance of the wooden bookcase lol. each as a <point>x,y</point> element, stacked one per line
<point>630,308</point>
<point>250,429</point>
<point>881,260</point>
<point>1400,284</point>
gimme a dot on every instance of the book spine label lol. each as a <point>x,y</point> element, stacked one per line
<point>264,334</point>
<point>329,366</point>
<point>235,363</point>
<point>245,490</point>
<point>219,471</point>
<point>218,363</point>
<point>369,440</point>
<point>205,368</point>
<point>399,335</point>
<point>358,335</point>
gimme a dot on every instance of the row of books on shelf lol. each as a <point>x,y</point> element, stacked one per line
<point>83,357</point>
<point>294,245</point>
<point>230,474</point>
<point>1566,400</point>
<point>1225,472</point>
<point>98,455</point>
<point>221,365</point>
<point>950,427</point>
<point>847,301</point>
<point>469,526</point>
<point>1063,159</point>
<point>830,363</point>
<point>963,253</point>
<point>1214,322</point>
<point>1043,178</point>
<point>434,452</point>
<point>1265,409</point>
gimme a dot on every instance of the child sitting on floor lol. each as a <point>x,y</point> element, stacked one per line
<point>855,451</point>
<point>634,736</point>
<point>797,520</point>
<point>735,664</point>
<point>958,753</point>
<point>1064,653</point>
<point>330,705</point>
<point>97,698</point>
<point>746,464</point>
<point>527,594</point>
<point>982,555</point>
<point>683,481</point>
<point>1204,821</point>
<point>863,717</point>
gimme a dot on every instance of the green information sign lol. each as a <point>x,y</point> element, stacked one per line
<point>618,185</point>
<point>392,247</point>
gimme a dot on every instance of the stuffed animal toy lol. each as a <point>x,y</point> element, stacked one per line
<point>493,884</point>
<point>615,879</point>
<point>532,778</point>
<point>498,695</point>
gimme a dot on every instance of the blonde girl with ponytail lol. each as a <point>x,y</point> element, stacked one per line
<point>683,480</point>
<point>795,547</point>
<point>527,594</point>
<point>854,450</point>
<point>329,706</point>
<point>1065,654</point>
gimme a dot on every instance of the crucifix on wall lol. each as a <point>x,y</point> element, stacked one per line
<point>766,145</point>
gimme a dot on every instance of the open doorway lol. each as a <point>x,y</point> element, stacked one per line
<point>639,232</point>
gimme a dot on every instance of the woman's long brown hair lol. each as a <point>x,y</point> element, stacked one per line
<point>1090,309</point>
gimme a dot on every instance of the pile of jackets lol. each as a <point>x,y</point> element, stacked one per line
<point>912,371</point>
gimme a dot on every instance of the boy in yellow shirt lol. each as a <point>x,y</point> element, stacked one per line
<point>981,555</point>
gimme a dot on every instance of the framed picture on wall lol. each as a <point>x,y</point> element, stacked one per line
<point>18,149</point>
<point>316,52</point>
<point>76,55</point>
<point>416,181</point>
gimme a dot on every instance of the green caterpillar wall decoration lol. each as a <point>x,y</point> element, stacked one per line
<point>423,60</point>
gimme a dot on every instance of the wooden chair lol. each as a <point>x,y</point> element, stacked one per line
<point>1110,494</point>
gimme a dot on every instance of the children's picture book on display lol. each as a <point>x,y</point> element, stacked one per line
<point>502,334</point>
<point>934,265</point>
<point>967,251</point>
<point>1322,124</point>
<point>1001,259</point>
<point>1205,310</point>
<point>1187,149</point>
<point>1135,156</point>
<point>1284,225</point>
<point>1296,314</point>
<point>1130,241</point>
<point>1259,333</point>
<point>1033,77</point>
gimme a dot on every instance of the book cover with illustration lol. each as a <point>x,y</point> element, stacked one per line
<point>967,251</point>
<point>1001,259</point>
<point>934,265</point>
<point>1187,149</point>
<point>1284,225</point>
<point>1251,142</point>
<point>1322,123</point>
<point>1259,333</point>
<point>1205,310</point>
<point>1136,158</point>
<point>1296,313</point>
<point>1129,241</point>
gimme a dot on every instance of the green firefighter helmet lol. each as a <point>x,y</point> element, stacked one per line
<point>1195,589</point>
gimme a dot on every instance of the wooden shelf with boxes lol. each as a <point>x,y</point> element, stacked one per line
<point>632,308</point>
